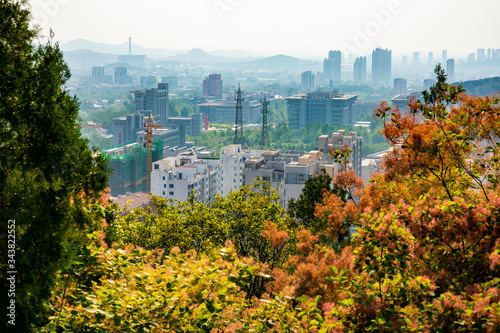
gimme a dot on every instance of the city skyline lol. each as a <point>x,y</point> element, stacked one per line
<point>280,27</point>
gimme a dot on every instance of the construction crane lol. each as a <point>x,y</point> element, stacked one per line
<point>149,146</point>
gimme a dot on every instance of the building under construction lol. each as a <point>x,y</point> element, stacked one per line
<point>129,166</point>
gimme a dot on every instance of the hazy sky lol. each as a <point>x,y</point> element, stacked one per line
<point>265,27</point>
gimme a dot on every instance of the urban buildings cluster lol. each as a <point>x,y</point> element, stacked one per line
<point>381,61</point>
<point>155,102</point>
<point>179,167</point>
<point>177,176</point>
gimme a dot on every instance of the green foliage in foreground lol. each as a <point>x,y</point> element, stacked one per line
<point>152,291</point>
<point>303,209</point>
<point>48,175</point>
<point>250,218</point>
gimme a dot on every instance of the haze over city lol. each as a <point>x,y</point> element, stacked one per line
<point>292,27</point>
<point>249,166</point>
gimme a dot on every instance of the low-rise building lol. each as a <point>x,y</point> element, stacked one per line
<point>224,111</point>
<point>339,140</point>
<point>176,177</point>
<point>330,107</point>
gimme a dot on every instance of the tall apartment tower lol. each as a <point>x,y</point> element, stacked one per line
<point>444,57</point>
<point>154,100</point>
<point>481,55</point>
<point>120,75</point>
<point>416,58</point>
<point>430,58</point>
<point>428,83</point>
<point>381,66</point>
<point>307,81</point>
<point>450,70</point>
<point>97,74</point>
<point>212,86</point>
<point>172,82</point>
<point>400,86</point>
<point>231,161</point>
<point>332,66</point>
<point>359,69</point>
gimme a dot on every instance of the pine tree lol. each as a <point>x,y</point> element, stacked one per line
<point>47,171</point>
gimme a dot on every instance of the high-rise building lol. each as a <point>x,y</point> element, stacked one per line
<point>125,128</point>
<point>428,83</point>
<point>381,66</point>
<point>471,57</point>
<point>336,57</point>
<point>404,61</point>
<point>444,57</point>
<point>430,58</point>
<point>480,55</point>
<point>416,58</point>
<point>148,81</point>
<point>399,86</point>
<point>231,161</point>
<point>212,86</point>
<point>307,81</point>
<point>120,75</point>
<point>319,79</point>
<point>154,100</point>
<point>332,67</point>
<point>97,75</point>
<point>325,107</point>
<point>328,70</point>
<point>450,70</point>
<point>359,69</point>
<point>172,82</point>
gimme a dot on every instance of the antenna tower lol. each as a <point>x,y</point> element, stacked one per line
<point>264,141</point>
<point>238,129</point>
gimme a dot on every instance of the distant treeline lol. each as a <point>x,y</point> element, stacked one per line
<point>483,87</point>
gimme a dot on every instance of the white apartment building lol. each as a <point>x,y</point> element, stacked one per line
<point>232,161</point>
<point>176,177</point>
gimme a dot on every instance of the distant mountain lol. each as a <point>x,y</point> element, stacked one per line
<point>283,62</point>
<point>237,54</point>
<point>118,49</point>
<point>81,53</point>
<point>83,59</point>
<point>197,56</point>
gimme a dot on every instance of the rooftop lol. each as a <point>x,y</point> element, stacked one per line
<point>138,199</point>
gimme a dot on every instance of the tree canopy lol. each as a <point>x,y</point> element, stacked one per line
<point>48,175</point>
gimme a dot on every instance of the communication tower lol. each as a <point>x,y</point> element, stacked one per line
<point>264,141</point>
<point>238,128</point>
